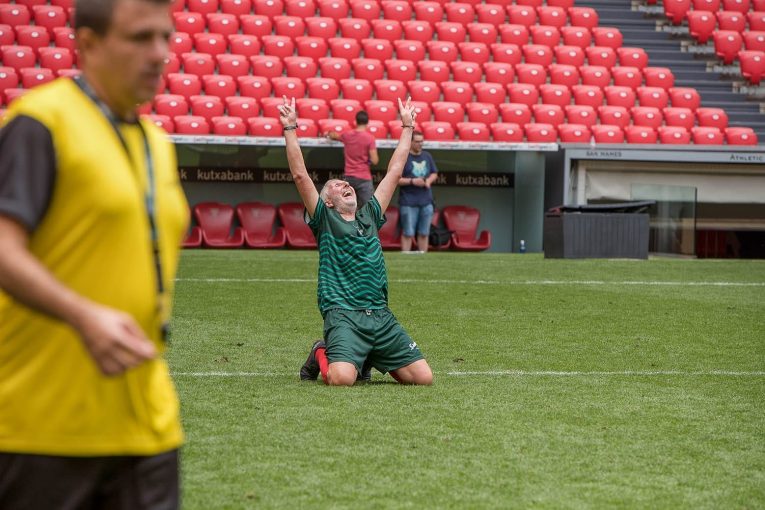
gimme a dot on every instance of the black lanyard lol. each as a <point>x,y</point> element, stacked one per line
<point>149,194</point>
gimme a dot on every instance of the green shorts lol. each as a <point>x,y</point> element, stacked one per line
<point>354,336</point>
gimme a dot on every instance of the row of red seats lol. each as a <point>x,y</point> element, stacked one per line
<point>259,229</point>
<point>677,10</point>
<point>702,24</point>
<point>535,132</point>
<point>43,15</point>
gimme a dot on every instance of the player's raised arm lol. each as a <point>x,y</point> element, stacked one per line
<point>387,186</point>
<point>305,186</point>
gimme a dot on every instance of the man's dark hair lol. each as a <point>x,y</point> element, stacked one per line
<point>362,118</point>
<point>417,133</point>
<point>97,14</point>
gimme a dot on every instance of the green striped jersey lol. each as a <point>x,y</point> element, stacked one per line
<point>352,272</point>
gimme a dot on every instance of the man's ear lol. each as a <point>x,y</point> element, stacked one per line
<point>329,204</point>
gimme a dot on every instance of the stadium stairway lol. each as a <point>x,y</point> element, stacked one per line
<point>665,50</point>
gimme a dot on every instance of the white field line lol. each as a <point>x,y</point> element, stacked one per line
<point>518,373</point>
<point>489,282</point>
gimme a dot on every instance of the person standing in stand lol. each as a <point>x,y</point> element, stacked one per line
<point>415,197</point>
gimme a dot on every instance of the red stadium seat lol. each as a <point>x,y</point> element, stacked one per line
<point>378,129</point>
<point>384,111</point>
<point>189,22</point>
<point>754,40</point>
<point>482,112</point>
<point>585,17</point>
<point>574,133</point>
<point>423,111</point>
<point>354,28</point>
<point>653,96</point>
<point>389,30</point>
<point>659,77</point>
<point>290,26</point>
<point>555,94</point>
<point>214,44</point>
<point>288,86</point>
<point>226,24</point>
<point>731,20</point>
<point>430,12</point>
<point>674,135</point>
<point>562,74</point>
<point>202,6</point>
<point>219,85</point>
<point>707,136</point>
<point>33,76</point>
<point>298,233</point>
<point>300,67</point>
<point>172,63</point>
<point>166,123</point>
<point>418,30</point>
<point>436,131</point>
<point>576,36</point>
<point>607,134</point>
<point>170,105</point>
<point>314,109</point>
<point>336,125</point>
<point>626,76</point>
<point>300,8</point>
<point>552,16</point>
<point>487,92</point>
<point>752,65</point>
<point>258,222</point>
<point>534,74</point>
<point>365,9</point>
<point>256,24</point>
<point>323,88</point>
<point>423,90</point>
<point>588,95</point>
<point>706,5</point>
<point>620,96</point>
<point>581,114</point>
<point>566,4</point>
<point>541,133</point>
<point>447,111</point>
<point>701,25</point>
<point>727,45</point>
<point>335,68</point>
<point>335,9</point>
<point>360,90</point>
<point>32,36</point>
<point>369,69</point>
<point>505,53</point>
<point>390,90</point>
<point>186,85</point>
<point>514,34</point>
<point>321,27</point>
<point>278,45</point>
<point>601,56</point>
<point>229,126</point>
<point>14,15</point>
<point>515,113</point>
<point>458,12</point>
<point>640,134</point>
<point>545,35</point>
<point>255,87</point>
<point>191,125</point>
<point>198,63</point>
<point>597,76</point>
<point>537,54</point>
<point>206,107</point>
<point>459,92</point>
<point>490,13</point>
<point>49,16</point>
<point>712,117</point>
<point>236,7</point>
<point>521,15</point>
<point>497,72</point>
<point>473,131</point>
<point>685,97</point>
<point>676,10</point>
<point>233,65</point>
<point>380,49</point>
<point>635,57</point>
<point>740,136</point>
<point>506,132</point>
<point>736,5</point>
<point>463,221</point>
<point>7,35</point>
<point>390,238</point>
<point>614,115</point>
<point>569,55</point>
<point>756,20</point>
<point>484,33</point>
<point>55,58</point>
<point>607,36</point>
<point>403,70</point>
<point>548,113</point>
<point>242,44</point>
<point>474,52</point>
<point>646,116</point>
<point>18,57</point>
<point>264,126</point>
<point>682,117</point>
<point>12,94</point>
<point>9,79</point>
<point>342,47</point>
<point>242,107</point>
<point>469,72</point>
<point>270,106</point>
<point>395,129</point>
<point>216,221</point>
<point>409,50</point>
<point>523,93</point>
<point>399,10</point>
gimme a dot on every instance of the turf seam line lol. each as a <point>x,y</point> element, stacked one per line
<point>487,282</point>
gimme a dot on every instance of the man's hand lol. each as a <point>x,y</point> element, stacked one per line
<point>287,112</point>
<point>406,110</point>
<point>113,339</point>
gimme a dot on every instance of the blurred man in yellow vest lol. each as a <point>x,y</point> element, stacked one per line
<point>91,220</point>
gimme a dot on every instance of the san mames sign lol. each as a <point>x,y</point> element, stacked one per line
<point>282,175</point>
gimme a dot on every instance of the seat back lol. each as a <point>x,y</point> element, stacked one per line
<point>388,233</point>
<point>215,219</point>
<point>462,220</point>
<point>298,232</point>
<point>257,219</point>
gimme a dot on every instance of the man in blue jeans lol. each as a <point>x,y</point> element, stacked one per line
<point>415,198</point>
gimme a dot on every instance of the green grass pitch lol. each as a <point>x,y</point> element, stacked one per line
<point>558,384</point>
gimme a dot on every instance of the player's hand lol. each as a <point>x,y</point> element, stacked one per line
<point>114,340</point>
<point>406,110</point>
<point>287,112</point>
